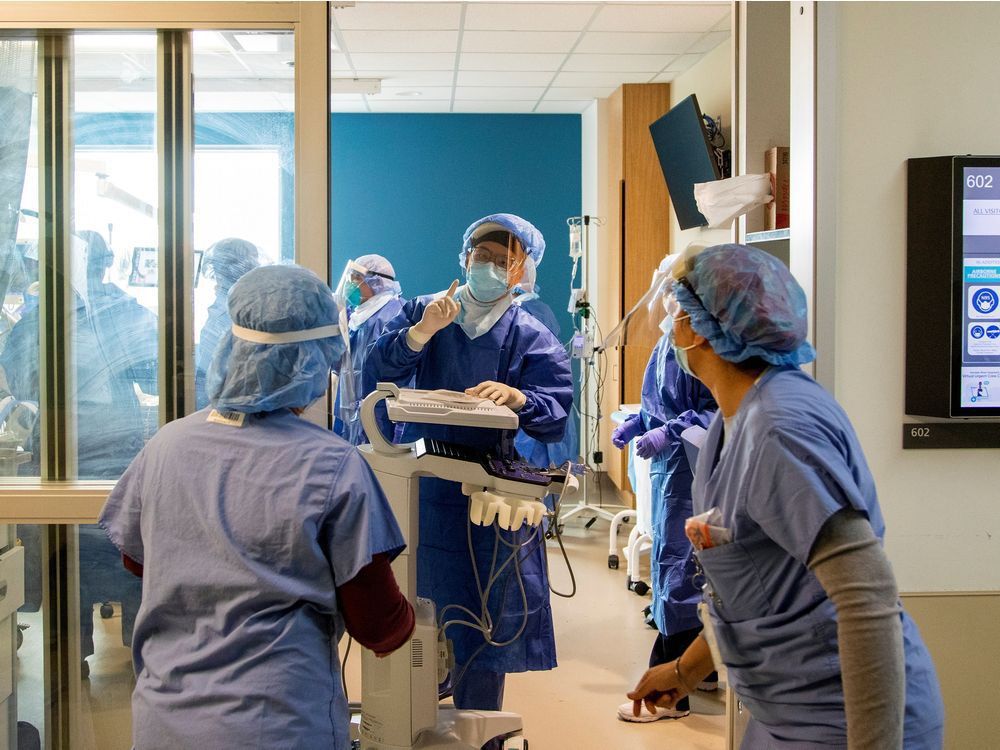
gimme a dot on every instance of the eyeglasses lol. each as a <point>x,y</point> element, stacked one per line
<point>483,254</point>
<point>683,281</point>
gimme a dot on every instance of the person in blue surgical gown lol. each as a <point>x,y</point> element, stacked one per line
<point>224,262</point>
<point>260,537</point>
<point>474,339</point>
<point>537,452</point>
<point>672,401</point>
<point>802,603</point>
<point>371,291</point>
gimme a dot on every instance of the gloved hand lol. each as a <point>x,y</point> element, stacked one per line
<point>438,314</point>
<point>499,393</point>
<point>623,433</point>
<point>653,443</point>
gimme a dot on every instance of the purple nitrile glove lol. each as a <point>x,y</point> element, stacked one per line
<point>623,433</point>
<point>653,443</point>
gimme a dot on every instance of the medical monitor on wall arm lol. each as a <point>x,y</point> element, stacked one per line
<point>686,158</point>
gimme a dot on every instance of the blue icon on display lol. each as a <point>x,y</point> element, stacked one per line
<point>985,301</point>
<point>977,332</point>
<point>993,332</point>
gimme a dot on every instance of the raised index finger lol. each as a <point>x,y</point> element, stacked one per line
<point>452,288</point>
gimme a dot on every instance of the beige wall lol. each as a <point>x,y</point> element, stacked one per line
<point>913,79</point>
<point>711,81</point>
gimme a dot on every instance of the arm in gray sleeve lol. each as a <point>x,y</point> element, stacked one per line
<point>853,569</point>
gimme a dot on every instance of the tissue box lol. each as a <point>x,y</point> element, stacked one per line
<point>776,164</point>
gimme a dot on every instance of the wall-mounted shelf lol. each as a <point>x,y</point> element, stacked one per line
<point>755,238</point>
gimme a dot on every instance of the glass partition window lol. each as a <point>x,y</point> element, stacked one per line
<point>244,201</point>
<point>19,287</point>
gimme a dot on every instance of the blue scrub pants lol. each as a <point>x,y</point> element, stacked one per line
<point>482,691</point>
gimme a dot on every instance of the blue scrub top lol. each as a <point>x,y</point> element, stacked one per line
<point>788,461</point>
<point>519,351</point>
<point>244,534</point>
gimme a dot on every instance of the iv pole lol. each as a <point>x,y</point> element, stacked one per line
<point>583,308</point>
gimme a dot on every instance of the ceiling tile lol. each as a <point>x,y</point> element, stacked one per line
<point>404,61</point>
<point>408,106</point>
<point>494,107</point>
<point>562,107</point>
<point>507,78</point>
<point>338,61</point>
<point>560,16</point>
<point>579,93</point>
<point>399,16</point>
<point>600,79</point>
<point>498,61</point>
<point>659,17</point>
<point>709,42</point>
<point>725,24</point>
<point>215,65</point>
<point>518,41</point>
<point>666,76</point>
<point>427,93</point>
<point>683,62</point>
<point>358,106</point>
<point>410,78</point>
<point>484,93</point>
<point>394,41</point>
<point>617,63</point>
<point>636,43</point>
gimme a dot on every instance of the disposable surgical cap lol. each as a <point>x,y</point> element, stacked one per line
<point>285,337</point>
<point>382,277</point>
<point>530,238</point>
<point>747,304</point>
<point>228,259</point>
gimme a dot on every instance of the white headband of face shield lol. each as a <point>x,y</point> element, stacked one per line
<point>285,337</point>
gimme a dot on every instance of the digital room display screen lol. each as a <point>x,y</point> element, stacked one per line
<point>979,369</point>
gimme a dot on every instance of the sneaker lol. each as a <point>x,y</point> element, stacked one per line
<point>625,714</point>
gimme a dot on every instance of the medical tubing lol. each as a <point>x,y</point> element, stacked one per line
<point>343,667</point>
<point>483,645</point>
<point>569,567</point>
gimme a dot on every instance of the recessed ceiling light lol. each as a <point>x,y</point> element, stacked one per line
<point>409,93</point>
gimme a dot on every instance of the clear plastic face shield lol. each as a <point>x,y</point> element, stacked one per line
<point>355,286</point>
<point>495,263</point>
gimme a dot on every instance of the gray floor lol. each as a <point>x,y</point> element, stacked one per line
<point>602,642</point>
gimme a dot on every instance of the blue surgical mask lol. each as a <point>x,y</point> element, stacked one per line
<point>353,295</point>
<point>486,282</point>
<point>681,353</point>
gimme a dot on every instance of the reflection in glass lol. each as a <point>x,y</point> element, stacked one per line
<point>244,85</point>
<point>115,337</point>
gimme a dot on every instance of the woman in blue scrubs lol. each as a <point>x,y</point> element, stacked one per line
<point>260,537</point>
<point>474,339</point>
<point>802,601</point>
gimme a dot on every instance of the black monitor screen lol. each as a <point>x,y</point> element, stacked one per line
<point>685,157</point>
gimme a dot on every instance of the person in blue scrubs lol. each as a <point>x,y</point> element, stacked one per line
<point>802,600</point>
<point>225,262</point>
<point>672,401</point>
<point>536,452</point>
<point>371,291</point>
<point>474,339</point>
<point>260,537</point>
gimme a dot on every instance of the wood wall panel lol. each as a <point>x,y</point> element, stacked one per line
<point>639,223</point>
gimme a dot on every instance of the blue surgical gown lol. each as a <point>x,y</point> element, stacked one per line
<point>244,534</point>
<point>787,462</point>
<point>363,339</point>
<point>537,452</point>
<point>672,398</point>
<point>519,351</point>
<point>217,324</point>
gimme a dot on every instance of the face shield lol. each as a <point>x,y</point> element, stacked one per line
<point>496,262</point>
<point>352,289</point>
